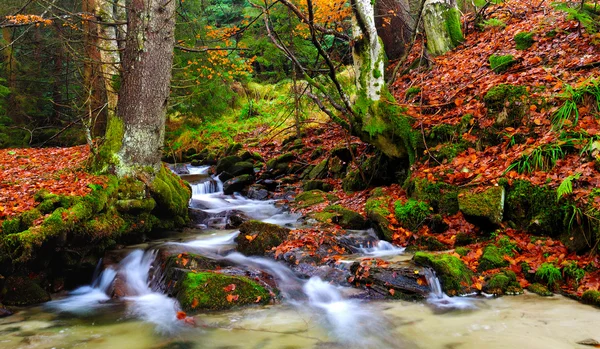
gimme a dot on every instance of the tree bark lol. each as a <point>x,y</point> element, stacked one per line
<point>144,92</point>
<point>395,26</point>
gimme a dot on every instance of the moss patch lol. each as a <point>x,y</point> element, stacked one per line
<point>20,291</point>
<point>257,237</point>
<point>412,213</point>
<point>492,258</point>
<point>503,283</point>
<point>341,216</point>
<point>311,198</point>
<point>488,204</point>
<point>451,271</point>
<point>591,297</point>
<point>539,289</point>
<point>501,63</point>
<point>523,40</point>
<point>213,291</point>
<point>377,210</point>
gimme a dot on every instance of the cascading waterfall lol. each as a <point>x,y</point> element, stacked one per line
<point>382,249</point>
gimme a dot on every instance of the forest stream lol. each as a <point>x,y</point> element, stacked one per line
<point>313,313</point>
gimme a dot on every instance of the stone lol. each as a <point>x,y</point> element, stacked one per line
<point>226,162</point>
<point>256,237</point>
<point>21,291</point>
<point>488,204</point>
<point>317,185</point>
<point>237,184</point>
<point>320,171</point>
<point>257,192</point>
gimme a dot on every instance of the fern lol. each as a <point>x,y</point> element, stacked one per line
<point>566,186</point>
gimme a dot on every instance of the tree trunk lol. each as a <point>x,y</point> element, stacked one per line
<point>139,125</point>
<point>395,26</point>
<point>441,20</point>
<point>110,60</point>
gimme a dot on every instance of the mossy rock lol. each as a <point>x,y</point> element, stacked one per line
<point>337,168</point>
<point>131,189</point>
<point>353,182</point>
<point>237,184</point>
<point>463,239</point>
<point>319,171</point>
<point>342,216</point>
<point>317,185</point>
<point>225,163</point>
<point>451,271</point>
<point>539,289</point>
<point>237,169</point>
<point>172,196</point>
<point>311,198</point>
<point>282,159</point>
<point>213,291</point>
<point>591,297</point>
<point>442,197</point>
<point>487,205</point>
<point>256,237</point>
<point>21,291</point>
<point>523,40</point>
<point>491,258</point>
<point>503,283</point>
<point>533,208</point>
<point>377,210</point>
<point>462,251</point>
<point>135,206</point>
<point>430,243</point>
<point>507,103</point>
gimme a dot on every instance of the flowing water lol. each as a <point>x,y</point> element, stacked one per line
<point>313,313</point>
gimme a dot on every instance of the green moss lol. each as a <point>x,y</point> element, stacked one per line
<point>539,289</point>
<point>591,297</point>
<point>453,26</point>
<point>311,198</point>
<point>492,258</point>
<point>548,274</point>
<point>451,271</point>
<point>507,103</point>
<point>113,139</point>
<point>430,243</point>
<point>316,185</point>
<point>412,213</point>
<point>377,210</point>
<point>343,217</point>
<point>499,63</point>
<point>488,204</point>
<point>208,291</point>
<point>523,40</point>
<point>502,283</point>
<point>442,197</point>
<point>462,251</point>
<point>11,226</point>
<point>172,196</point>
<point>412,91</point>
<point>319,171</point>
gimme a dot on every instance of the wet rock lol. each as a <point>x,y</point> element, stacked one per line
<point>235,219</point>
<point>257,192</point>
<point>317,185</point>
<point>4,312</point>
<point>256,237</point>
<point>180,169</point>
<point>503,283</point>
<point>377,210</point>
<point>341,216</point>
<point>195,178</point>
<point>280,163</point>
<point>405,279</point>
<point>197,216</point>
<point>313,197</point>
<point>325,272</point>
<point>541,290</point>
<point>225,163</point>
<point>590,341</point>
<point>320,171</point>
<point>217,291</point>
<point>488,205</point>
<point>270,184</point>
<point>354,241</point>
<point>451,271</point>
<point>20,291</point>
<point>237,184</point>
<point>237,169</point>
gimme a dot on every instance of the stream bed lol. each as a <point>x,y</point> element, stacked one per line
<point>312,314</point>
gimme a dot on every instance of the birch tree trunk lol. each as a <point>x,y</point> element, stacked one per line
<point>110,60</point>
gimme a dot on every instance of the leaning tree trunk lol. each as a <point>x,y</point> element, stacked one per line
<point>135,135</point>
<point>441,20</point>
<point>376,119</point>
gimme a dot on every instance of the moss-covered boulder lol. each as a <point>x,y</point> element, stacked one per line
<point>507,103</point>
<point>591,297</point>
<point>451,271</point>
<point>237,169</point>
<point>534,208</point>
<point>317,185</point>
<point>172,196</point>
<point>487,205</point>
<point>215,291</point>
<point>442,197</point>
<point>377,210</point>
<point>281,162</point>
<point>313,197</point>
<point>20,291</point>
<point>320,170</point>
<point>256,237</point>
<point>225,163</point>
<point>491,258</point>
<point>503,283</point>
<point>237,184</point>
<point>539,289</point>
<point>341,216</point>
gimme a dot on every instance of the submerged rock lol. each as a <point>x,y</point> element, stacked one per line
<point>256,237</point>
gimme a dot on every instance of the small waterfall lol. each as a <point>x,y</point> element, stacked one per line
<point>382,249</point>
<point>209,186</point>
<point>434,283</point>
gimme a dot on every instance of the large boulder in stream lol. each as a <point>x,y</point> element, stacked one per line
<point>21,291</point>
<point>237,184</point>
<point>397,280</point>
<point>209,290</point>
<point>341,216</point>
<point>225,163</point>
<point>256,237</point>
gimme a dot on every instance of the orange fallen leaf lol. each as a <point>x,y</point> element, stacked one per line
<point>392,291</point>
<point>232,297</point>
<point>181,315</point>
<point>258,299</point>
<point>229,288</point>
